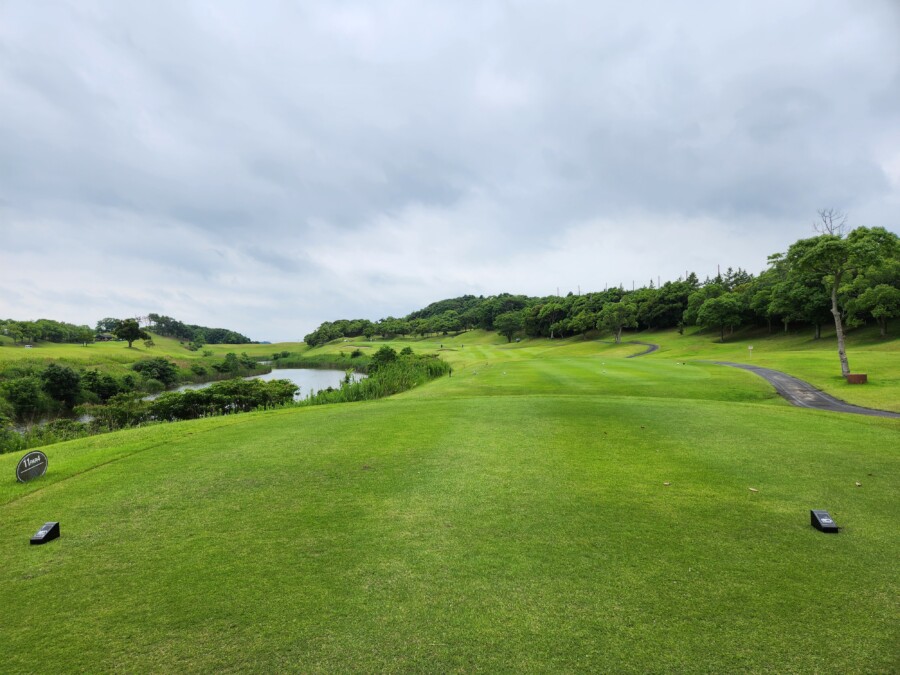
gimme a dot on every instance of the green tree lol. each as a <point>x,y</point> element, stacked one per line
<point>24,393</point>
<point>508,324</point>
<point>84,334</point>
<point>725,311</point>
<point>761,294</point>
<point>835,258</point>
<point>697,298</point>
<point>160,369</point>
<point>231,364</point>
<point>103,386</point>
<point>882,302</point>
<point>872,293</point>
<point>108,325</point>
<point>617,315</point>
<point>130,330</point>
<point>584,321</point>
<point>382,357</point>
<point>800,297</point>
<point>61,383</point>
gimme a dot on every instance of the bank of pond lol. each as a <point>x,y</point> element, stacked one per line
<point>309,380</point>
<point>383,374</point>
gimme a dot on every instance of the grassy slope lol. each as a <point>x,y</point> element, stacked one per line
<point>798,354</point>
<point>511,517</point>
<point>107,355</point>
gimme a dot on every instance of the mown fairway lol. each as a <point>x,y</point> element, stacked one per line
<point>512,517</point>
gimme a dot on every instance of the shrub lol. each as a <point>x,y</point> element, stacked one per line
<point>61,383</point>
<point>101,386</point>
<point>382,357</point>
<point>26,397</point>
<point>152,386</point>
<point>158,369</point>
<point>121,411</point>
<point>230,396</point>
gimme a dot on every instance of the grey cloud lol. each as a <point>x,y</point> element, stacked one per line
<point>264,132</point>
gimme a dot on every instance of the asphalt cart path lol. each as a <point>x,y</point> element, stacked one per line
<point>804,395</point>
<point>649,345</point>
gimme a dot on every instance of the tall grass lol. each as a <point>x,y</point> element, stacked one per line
<point>406,372</point>
<point>39,435</point>
<point>341,361</point>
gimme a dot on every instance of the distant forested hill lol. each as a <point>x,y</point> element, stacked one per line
<point>169,327</point>
<point>854,276</point>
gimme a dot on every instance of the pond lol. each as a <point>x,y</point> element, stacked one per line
<point>308,379</point>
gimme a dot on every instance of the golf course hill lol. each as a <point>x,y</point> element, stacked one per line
<point>549,504</point>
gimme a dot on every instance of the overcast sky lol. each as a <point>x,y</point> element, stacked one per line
<point>268,166</point>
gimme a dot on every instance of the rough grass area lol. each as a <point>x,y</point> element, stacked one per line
<point>550,507</point>
<point>111,355</point>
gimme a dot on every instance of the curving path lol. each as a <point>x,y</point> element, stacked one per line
<point>649,345</point>
<point>803,394</point>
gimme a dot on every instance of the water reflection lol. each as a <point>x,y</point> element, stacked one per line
<point>308,379</point>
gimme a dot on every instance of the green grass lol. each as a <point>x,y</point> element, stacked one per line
<point>512,517</point>
<point>815,361</point>
<point>110,355</point>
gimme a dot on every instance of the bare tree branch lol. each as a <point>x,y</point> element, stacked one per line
<point>831,221</point>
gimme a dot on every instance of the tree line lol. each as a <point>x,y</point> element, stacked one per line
<point>47,330</point>
<point>846,278</point>
<point>169,327</point>
<point>166,326</point>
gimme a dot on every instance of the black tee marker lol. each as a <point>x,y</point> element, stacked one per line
<point>48,532</point>
<point>822,521</point>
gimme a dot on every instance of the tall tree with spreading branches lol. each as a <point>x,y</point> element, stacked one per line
<point>835,258</point>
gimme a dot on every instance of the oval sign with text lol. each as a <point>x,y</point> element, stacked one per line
<point>31,466</point>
